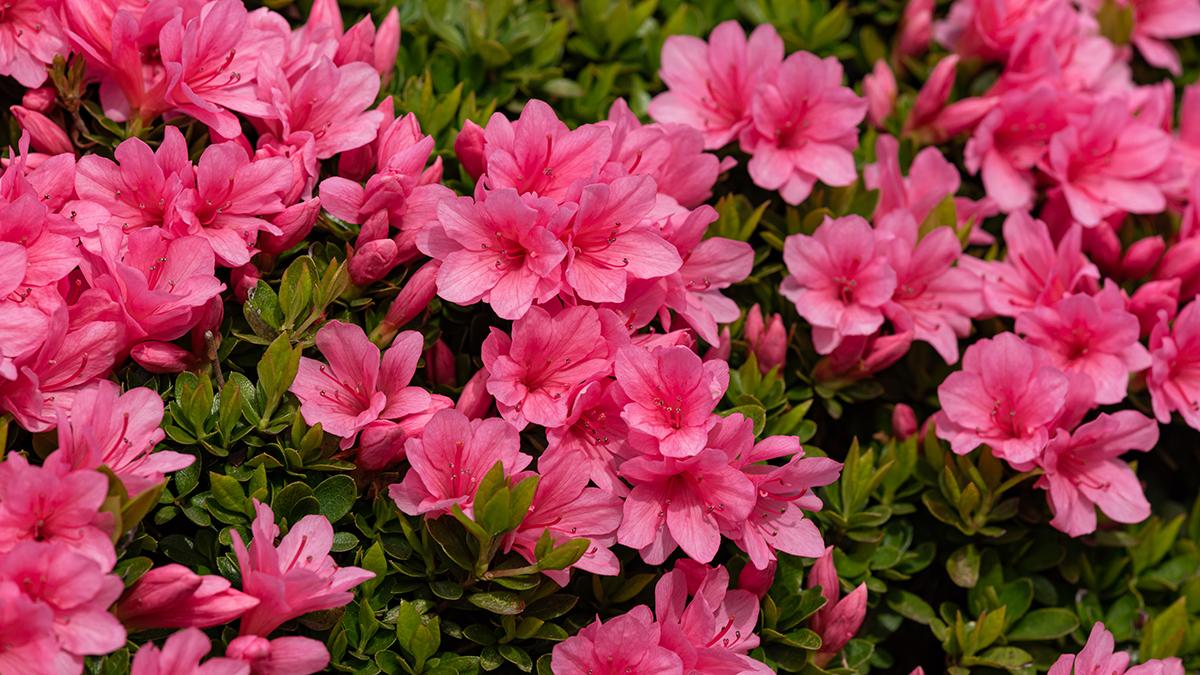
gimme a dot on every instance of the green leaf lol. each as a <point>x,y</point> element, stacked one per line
<point>276,370</point>
<point>498,602</point>
<point>963,566</point>
<point>517,656</point>
<point>910,606</point>
<point>1163,635</point>
<point>373,560</point>
<point>336,496</point>
<point>1049,623</point>
<point>262,311</point>
<point>565,555</point>
<point>1009,658</point>
<point>229,494</point>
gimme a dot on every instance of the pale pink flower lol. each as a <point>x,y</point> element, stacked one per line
<point>940,299</point>
<point>537,154</point>
<point>294,578</point>
<point>181,654</point>
<point>502,250</point>
<point>1093,335</point>
<point>713,632</point>
<point>841,617</point>
<point>685,503</point>
<point>879,88</point>
<point>292,655</point>
<point>534,374</point>
<point>1174,376</point>
<point>777,522</point>
<point>53,503</point>
<point>628,644</point>
<point>839,278</point>
<point>768,342</point>
<point>77,593</point>
<point>931,179</point>
<point>357,387</point>
<point>1083,470</point>
<point>1097,658</point>
<point>1036,271</point>
<point>141,188</point>
<point>1106,163</point>
<point>1007,395</point>
<point>173,596</point>
<point>668,397</point>
<point>450,458</point>
<point>567,508</point>
<point>592,439</point>
<point>103,427</point>
<point>710,84</point>
<point>805,128</point>
<point>612,240</point>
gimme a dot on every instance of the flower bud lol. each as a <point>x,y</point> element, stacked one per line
<point>469,149</point>
<point>44,134</point>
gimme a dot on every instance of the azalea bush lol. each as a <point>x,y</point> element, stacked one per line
<point>609,337</point>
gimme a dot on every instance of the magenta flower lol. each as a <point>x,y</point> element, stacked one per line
<point>450,458</point>
<point>34,254</point>
<point>1007,395</point>
<point>534,374</point>
<point>1174,376</point>
<point>839,278</point>
<point>839,619</point>
<point>294,578</point>
<point>1089,334</point>
<point>328,102</point>
<point>103,427</point>
<point>173,596</point>
<point>629,644</point>
<point>714,631</point>
<point>291,655</point>
<point>502,250</point>
<point>686,502</point>
<point>1083,470</point>
<point>1106,163</point>
<point>142,187</point>
<point>68,589</point>
<point>32,37</point>
<point>989,30</point>
<point>777,522</point>
<point>567,508</point>
<point>931,178</point>
<point>669,395</point>
<point>52,503</point>
<point>592,439</point>
<point>805,128</point>
<point>1097,658</point>
<point>356,389</point>
<point>539,155</point>
<point>181,654</point>
<point>710,84</point>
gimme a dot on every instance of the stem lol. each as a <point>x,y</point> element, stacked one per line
<point>514,572</point>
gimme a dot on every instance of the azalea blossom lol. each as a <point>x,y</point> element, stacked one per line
<point>626,644</point>
<point>1174,375</point>
<point>1098,658</point>
<point>592,438</point>
<point>841,617</point>
<point>669,395</point>
<point>181,654</point>
<point>291,655</point>
<point>173,596</point>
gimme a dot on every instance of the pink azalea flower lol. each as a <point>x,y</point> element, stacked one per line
<point>839,619</point>
<point>1107,163</point>
<point>710,84</point>
<point>73,590</point>
<point>933,95</point>
<point>567,508</point>
<point>1093,335</point>
<point>159,285</point>
<point>52,503</point>
<point>839,278</point>
<point>534,374</point>
<point>33,37</point>
<point>777,522</point>
<point>28,629</point>
<point>611,240</point>
<point>1151,298</point>
<point>173,596</point>
<point>539,155</point>
<point>1012,139</point>
<point>684,502</point>
<point>292,655</point>
<point>450,458</point>
<point>1174,376</point>
<point>356,388</point>
<point>44,135</point>
<point>668,397</point>
<point>916,28</point>
<point>628,644</point>
<point>1007,395</point>
<point>931,178</point>
<point>714,631</point>
<point>859,356</point>
<point>989,29</point>
<point>34,253</point>
<point>327,101</point>
<point>142,187</point>
<point>1083,470</point>
<point>1097,658</point>
<point>592,439</point>
<point>904,421</point>
<point>181,654</point>
<point>1035,271</point>
<point>502,250</point>
<point>805,128</point>
<point>879,88</point>
<point>294,578</point>
<point>103,427</point>
<point>768,342</point>
<point>1156,22</point>
<point>672,154</point>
